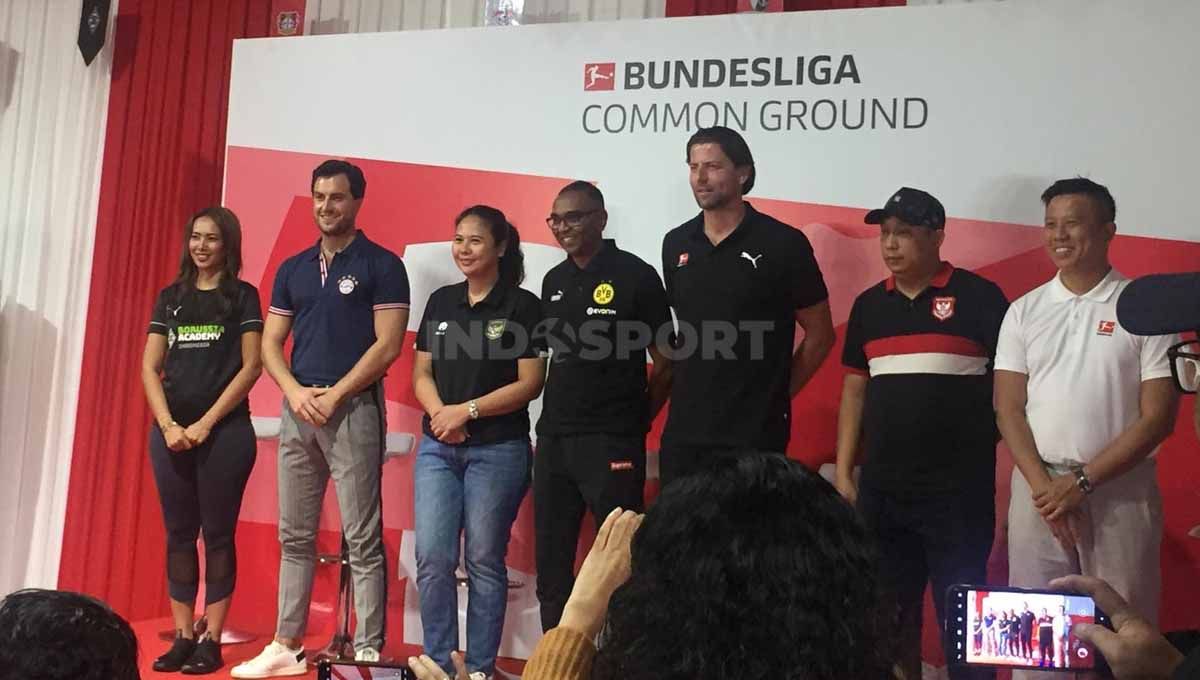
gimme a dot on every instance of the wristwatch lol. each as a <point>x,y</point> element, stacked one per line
<point>472,410</point>
<point>1081,480</point>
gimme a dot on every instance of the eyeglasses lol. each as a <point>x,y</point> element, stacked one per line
<point>1185,365</point>
<point>569,220</point>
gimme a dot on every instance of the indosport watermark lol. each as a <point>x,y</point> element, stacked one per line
<point>599,340</point>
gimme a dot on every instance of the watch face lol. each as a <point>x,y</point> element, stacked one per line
<point>1085,484</point>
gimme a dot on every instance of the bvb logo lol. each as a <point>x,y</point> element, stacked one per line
<point>603,294</point>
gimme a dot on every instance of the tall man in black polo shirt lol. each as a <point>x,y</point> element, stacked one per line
<point>604,309</point>
<point>346,299</point>
<point>739,281</point>
<point>918,398</point>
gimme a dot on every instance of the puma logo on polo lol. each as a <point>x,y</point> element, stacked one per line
<point>753,260</point>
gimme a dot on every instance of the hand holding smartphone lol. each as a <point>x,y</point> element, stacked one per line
<point>1020,628</point>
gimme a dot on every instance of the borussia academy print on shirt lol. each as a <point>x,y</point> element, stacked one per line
<point>204,349</point>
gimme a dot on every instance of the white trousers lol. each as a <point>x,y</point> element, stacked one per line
<point>1121,525</point>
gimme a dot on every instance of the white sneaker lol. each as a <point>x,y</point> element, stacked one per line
<point>367,654</point>
<point>479,675</point>
<point>274,660</point>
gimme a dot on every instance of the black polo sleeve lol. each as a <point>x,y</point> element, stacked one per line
<point>548,330</point>
<point>854,356</point>
<point>527,312</point>
<point>158,316</point>
<point>992,316</point>
<point>250,312</point>
<point>1190,668</point>
<point>427,317</point>
<point>669,260</point>
<point>651,307</point>
<point>805,281</point>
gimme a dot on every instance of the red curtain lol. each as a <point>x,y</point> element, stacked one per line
<point>799,5</point>
<point>687,8</point>
<point>163,160</point>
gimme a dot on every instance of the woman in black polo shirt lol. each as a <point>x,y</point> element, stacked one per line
<point>475,372</point>
<point>201,359</point>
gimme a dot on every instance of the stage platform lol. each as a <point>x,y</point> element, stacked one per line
<point>150,647</point>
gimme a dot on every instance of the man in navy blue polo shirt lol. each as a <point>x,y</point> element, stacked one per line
<point>917,399</point>
<point>740,281</point>
<point>345,300</point>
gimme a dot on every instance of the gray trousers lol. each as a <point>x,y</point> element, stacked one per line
<point>348,448</point>
<point>1122,526</point>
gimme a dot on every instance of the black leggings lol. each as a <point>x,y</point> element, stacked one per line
<point>202,488</point>
<point>1046,645</point>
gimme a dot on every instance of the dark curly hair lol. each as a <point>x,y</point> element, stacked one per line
<point>754,569</point>
<point>57,635</point>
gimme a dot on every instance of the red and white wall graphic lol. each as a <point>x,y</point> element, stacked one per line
<point>839,108</point>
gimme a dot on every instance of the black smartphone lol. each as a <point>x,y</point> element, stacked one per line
<point>997,627</point>
<point>361,670</point>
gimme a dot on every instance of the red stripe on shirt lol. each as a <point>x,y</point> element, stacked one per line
<point>923,343</point>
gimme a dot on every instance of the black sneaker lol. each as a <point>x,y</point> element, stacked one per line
<point>205,659</point>
<point>180,651</point>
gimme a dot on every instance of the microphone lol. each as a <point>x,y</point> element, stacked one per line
<point>1160,304</point>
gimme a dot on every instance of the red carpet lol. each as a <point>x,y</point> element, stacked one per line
<point>150,647</point>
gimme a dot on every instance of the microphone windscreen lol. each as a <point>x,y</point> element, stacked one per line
<point>1160,304</point>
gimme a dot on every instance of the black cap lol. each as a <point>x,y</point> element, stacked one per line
<point>1160,304</point>
<point>911,206</point>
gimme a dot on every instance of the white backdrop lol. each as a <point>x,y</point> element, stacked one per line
<point>1095,88</point>
<point>52,116</point>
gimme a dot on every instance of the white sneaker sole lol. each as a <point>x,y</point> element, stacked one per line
<point>254,673</point>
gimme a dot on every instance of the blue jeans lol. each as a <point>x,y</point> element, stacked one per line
<point>476,490</point>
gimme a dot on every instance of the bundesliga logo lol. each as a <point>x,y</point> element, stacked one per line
<point>599,76</point>
<point>762,71</point>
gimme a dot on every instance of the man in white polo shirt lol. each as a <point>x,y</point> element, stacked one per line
<point>1083,404</point>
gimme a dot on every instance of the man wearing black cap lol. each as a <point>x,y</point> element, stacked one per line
<point>917,398</point>
<point>739,281</point>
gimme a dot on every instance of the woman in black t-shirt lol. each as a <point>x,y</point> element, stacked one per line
<point>201,359</point>
<point>476,370</point>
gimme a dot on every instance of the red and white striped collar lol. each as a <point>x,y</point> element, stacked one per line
<point>940,280</point>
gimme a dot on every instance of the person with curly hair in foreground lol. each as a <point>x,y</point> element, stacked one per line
<point>756,569</point>
<point>56,635</point>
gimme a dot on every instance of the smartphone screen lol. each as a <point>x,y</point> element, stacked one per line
<point>360,671</point>
<point>1018,628</point>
